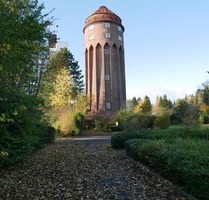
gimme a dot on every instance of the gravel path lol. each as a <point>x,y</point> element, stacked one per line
<point>88,169</point>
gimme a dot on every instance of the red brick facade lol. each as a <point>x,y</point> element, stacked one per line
<point>104,63</point>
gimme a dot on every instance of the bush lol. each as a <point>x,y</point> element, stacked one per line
<point>99,124</point>
<point>112,128</point>
<point>189,114</point>
<point>162,121</point>
<point>189,158</point>
<point>22,129</point>
<point>19,147</point>
<point>151,152</point>
<point>203,119</point>
<point>89,124</point>
<point>79,124</point>
<point>183,160</point>
<point>118,139</point>
<point>134,121</point>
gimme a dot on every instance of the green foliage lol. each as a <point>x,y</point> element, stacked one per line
<point>118,139</point>
<point>99,124</point>
<point>76,75</point>
<point>162,120</point>
<point>64,59</point>
<point>205,93</point>
<point>20,47</point>
<point>176,153</point>
<point>188,113</point>
<point>112,127</point>
<point>143,106</point>
<point>59,96</point>
<point>203,119</point>
<point>79,123</point>
<point>62,119</point>
<point>22,129</point>
<point>64,109</point>
<point>150,152</point>
<point>128,120</point>
<point>164,102</point>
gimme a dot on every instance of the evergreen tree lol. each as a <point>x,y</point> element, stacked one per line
<point>63,97</point>
<point>57,82</point>
<point>75,73</point>
<point>165,102</point>
<point>205,93</point>
<point>144,106</point>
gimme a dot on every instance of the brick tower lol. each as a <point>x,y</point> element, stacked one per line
<point>104,63</point>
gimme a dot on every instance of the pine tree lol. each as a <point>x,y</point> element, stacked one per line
<point>75,73</point>
<point>144,106</point>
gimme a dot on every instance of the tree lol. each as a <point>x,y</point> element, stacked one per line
<point>164,102</point>
<point>144,106</point>
<point>64,104</point>
<point>132,103</point>
<point>75,73</point>
<point>162,110</point>
<point>57,83</point>
<point>20,47</point>
<point>205,93</point>
<point>188,113</point>
<point>60,95</point>
<point>24,31</point>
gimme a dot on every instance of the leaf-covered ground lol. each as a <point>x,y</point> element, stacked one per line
<point>66,170</point>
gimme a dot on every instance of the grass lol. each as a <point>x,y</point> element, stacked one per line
<point>179,154</point>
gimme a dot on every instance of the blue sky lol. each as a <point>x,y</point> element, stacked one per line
<point>166,41</point>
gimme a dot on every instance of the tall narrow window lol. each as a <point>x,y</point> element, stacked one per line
<point>107,35</point>
<point>106,51</point>
<point>107,77</point>
<point>119,28</point>
<point>108,105</point>
<point>106,25</point>
<point>120,38</point>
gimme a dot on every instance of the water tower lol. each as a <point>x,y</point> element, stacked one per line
<point>104,63</point>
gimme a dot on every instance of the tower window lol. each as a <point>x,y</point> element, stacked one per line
<point>106,25</point>
<point>91,27</point>
<point>91,37</point>
<point>120,38</point>
<point>106,51</point>
<point>107,35</point>
<point>108,105</point>
<point>119,28</point>
<point>107,77</point>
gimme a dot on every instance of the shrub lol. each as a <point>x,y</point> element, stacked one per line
<point>112,127</point>
<point>118,139</point>
<point>189,114</point>
<point>99,124</point>
<point>162,120</point>
<point>189,158</point>
<point>151,152</point>
<point>183,161</point>
<point>79,124</point>
<point>134,121</point>
<point>89,124</point>
<point>19,147</point>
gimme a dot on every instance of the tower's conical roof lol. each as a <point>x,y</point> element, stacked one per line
<point>103,14</point>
